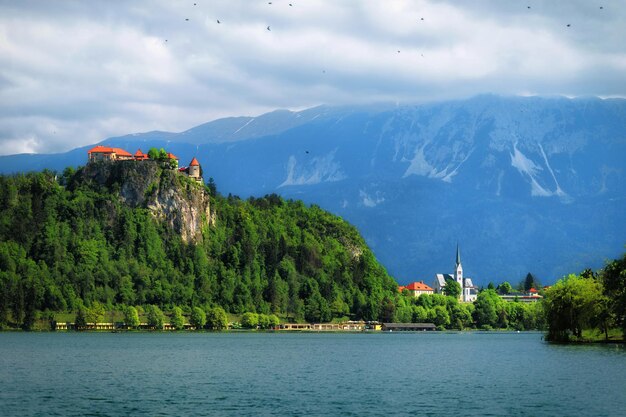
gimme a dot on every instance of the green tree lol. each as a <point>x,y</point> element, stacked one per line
<point>197,318</point>
<point>420,314</point>
<point>264,321</point>
<point>158,154</point>
<point>442,318</point>
<point>95,313</point>
<point>155,317</point>
<point>131,317</point>
<point>571,305</point>
<point>505,288</point>
<point>487,308</point>
<point>530,282</point>
<point>80,321</point>
<point>250,320</point>
<point>177,319</point>
<point>216,319</point>
<point>452,288</point>
<point>459,316</point>
<point>613,276</point>
<point>212,186</point>
<point>274,320</point>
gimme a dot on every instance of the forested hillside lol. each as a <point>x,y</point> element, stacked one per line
<point>90,237</point>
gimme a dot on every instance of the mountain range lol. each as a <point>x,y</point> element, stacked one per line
<point>522,184</point>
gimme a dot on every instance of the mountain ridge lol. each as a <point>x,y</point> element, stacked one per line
<point>444,167</point>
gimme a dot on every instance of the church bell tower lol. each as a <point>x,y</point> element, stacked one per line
<point>458,272</point>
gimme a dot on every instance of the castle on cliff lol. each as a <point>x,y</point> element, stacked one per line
<point>105,153</point>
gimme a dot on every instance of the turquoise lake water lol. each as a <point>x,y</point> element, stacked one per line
<point>307,374</point>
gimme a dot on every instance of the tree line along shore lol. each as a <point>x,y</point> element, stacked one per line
<point>72,250</point>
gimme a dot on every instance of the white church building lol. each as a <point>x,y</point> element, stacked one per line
<point>468,291</point>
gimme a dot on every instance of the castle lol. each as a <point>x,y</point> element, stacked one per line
<point>105,153</point>
<point>468,290</point>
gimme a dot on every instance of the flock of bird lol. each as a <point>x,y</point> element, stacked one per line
<point>269,29</point>
<point>291,5</point>
<point>218,21</point>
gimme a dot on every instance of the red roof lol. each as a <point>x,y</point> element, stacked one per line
<point>532,290</point>
<point>418,286</point>
<point>106,149</point>
<point>194,162</point>
<point>172,156</point>
<point>121,152</point>
<point>139,153</point>
<point>401,287</point>
<point>100,149</point>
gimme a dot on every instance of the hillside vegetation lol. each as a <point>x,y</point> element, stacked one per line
<point>77,241</point>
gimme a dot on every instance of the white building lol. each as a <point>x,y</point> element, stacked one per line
<point>468,291</point>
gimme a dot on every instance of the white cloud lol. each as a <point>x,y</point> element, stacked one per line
<point>93,69</point>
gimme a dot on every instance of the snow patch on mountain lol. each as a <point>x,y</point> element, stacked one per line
<point>419,165</point>
<point>369,200</point>
<point>317,170</point>
<point>558,191</point>
<point>529,169</point>
<point>448,177</point>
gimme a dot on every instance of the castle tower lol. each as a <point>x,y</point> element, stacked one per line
<point>458,272</point>
<point>194,169</point>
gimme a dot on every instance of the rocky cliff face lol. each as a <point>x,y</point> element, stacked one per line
<point>180,202</point>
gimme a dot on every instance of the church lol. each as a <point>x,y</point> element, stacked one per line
<point>468,291</point>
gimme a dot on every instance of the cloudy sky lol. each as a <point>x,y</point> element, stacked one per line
<point>75,72</point>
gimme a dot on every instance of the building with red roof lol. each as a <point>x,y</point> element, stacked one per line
<point>417,288</point>
<point>140,156</point>
<point>106,153</point>
<point>194,170</point>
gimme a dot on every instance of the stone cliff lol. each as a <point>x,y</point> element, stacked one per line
<point>183,204</point>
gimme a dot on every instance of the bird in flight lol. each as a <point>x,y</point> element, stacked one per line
<point>268,28</point>
<point>218,21</point>
<point>186,20</point>
<point>568,25</point>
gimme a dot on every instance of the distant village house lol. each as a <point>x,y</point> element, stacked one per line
<point>417,288</point>
<point>532,296</point>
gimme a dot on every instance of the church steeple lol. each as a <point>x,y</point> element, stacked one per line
<point>458,273</point>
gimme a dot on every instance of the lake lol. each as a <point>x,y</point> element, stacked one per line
<point>307,374</point>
